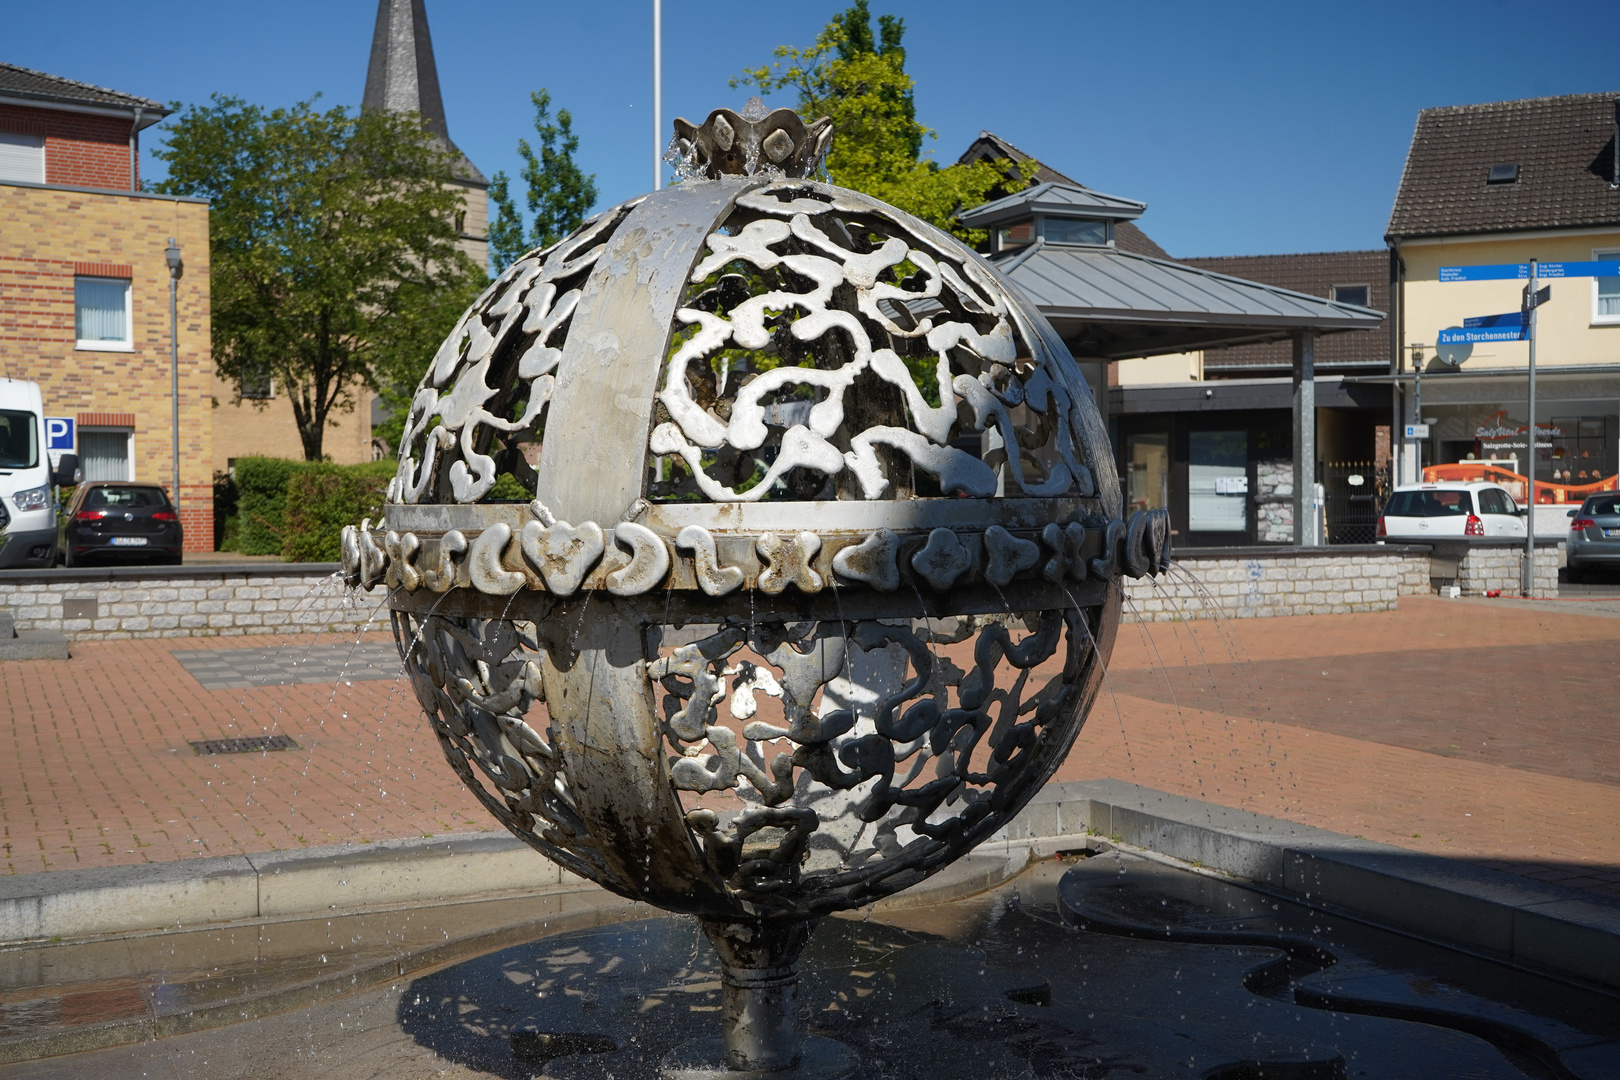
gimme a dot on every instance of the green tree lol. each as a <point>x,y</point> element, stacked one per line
<point>560,194</point>
<point>333,248</point>
<point>859,80</point>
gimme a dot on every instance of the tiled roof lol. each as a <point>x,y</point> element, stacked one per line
<point>1564,148</point>
<point>24,82</point>
<point>1314,273</point>
<point>989,146</point>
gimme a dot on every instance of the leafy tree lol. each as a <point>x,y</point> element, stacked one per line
<point>333,248</point>
<point>560,195</point>
<point>859,80</point>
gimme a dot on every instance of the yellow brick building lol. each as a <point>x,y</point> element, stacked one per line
<point>84,287</point>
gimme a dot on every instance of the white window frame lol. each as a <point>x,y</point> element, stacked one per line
<point>1603,255</point>
<point>128,344</point>
<point>129,442</point>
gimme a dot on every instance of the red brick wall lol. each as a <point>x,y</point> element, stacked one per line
<point>80,150</point>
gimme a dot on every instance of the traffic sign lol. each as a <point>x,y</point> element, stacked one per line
<point>1543,295</point>
<point>1494,272</point>
<point>1417,431</point>
<point>1521,271</point>
<point>1479,335</point>
<point>1495,322</point>
<point>59,433</point>
<point>1578,269</point>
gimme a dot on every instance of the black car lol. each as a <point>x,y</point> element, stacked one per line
<point>108,521</point>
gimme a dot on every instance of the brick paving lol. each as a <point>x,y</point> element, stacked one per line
<point>96,767</point>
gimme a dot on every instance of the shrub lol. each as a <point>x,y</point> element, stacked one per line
<point>321,498</point>
<point>261,501</point>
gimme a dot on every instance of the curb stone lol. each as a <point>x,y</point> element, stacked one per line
<point>1516,918</point>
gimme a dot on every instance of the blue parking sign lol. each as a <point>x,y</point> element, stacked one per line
<point>59,433</point>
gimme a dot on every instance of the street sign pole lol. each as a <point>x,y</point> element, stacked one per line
<point>1529,573</point>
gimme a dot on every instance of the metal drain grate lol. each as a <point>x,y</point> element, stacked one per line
<point>252,744</point>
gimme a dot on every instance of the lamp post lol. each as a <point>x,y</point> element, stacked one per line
<point>177,267</point>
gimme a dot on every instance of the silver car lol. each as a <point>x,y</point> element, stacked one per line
<point>1594,536</point>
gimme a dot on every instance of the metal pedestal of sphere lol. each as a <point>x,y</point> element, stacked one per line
<point>821,569</point>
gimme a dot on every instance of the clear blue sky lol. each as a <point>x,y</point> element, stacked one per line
<point>1247,129</point>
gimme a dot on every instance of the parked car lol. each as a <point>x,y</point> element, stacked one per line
<point>118,521</point>
<point>1450,508</point>
<point>1594,536</point>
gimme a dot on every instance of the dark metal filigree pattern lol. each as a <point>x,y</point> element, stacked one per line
<point>481,685</point>
<point>837,348</point>
<point>882,755</point>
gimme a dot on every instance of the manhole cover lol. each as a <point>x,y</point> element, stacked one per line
<point>251,744</point>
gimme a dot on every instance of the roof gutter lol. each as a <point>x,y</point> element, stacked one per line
<point>152,110</point>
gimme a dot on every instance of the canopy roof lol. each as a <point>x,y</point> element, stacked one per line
<point>1115,304</point>
<point>1055,200</point>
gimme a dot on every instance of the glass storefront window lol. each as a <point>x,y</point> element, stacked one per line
<point>1147,472</point>
<point>1577,447</point>
<point>1217,481</point>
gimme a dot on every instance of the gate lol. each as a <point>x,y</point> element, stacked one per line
<point>1353,496</point>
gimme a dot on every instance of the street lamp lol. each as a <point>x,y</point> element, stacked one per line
<point>177,267</point>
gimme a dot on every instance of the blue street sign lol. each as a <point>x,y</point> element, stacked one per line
<point>59,433</point>
<point>1521,271</point>
<point>1497,272</point>
<point>1513,319</point>
<point>1578,269</point>
<point>1476,336</point>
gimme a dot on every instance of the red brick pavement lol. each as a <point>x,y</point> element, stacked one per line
<point>95,768</point>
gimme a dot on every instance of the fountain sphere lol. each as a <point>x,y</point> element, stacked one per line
<point>821,570</point>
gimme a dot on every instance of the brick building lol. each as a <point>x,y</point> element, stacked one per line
<point>84,304</point>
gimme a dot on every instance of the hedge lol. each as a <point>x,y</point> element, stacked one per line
<point>297,509</point>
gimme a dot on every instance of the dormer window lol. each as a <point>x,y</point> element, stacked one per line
<point>1075,231</point>
<point>1015,235</point>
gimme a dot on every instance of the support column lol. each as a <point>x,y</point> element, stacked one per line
<point>1306,530</point>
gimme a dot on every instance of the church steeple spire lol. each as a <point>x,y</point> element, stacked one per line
<point>403,77</point>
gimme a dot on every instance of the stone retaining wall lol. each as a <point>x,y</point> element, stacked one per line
<point>1259,583</point>
<point>1263,582</point>
<point>1488,569</point>
<point>272,598</point>
<point>190,601</point>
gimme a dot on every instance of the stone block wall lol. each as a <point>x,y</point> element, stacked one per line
<point>1498,568</point>
<point>1323,581</point>
<point>1274,501</point>
<point>1245,586</point>
<point>222,601</point>
<point>188,602</point>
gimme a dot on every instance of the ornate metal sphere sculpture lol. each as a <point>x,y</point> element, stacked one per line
<point>821,570</point>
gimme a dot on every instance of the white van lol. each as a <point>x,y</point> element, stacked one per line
<point>27,501</point>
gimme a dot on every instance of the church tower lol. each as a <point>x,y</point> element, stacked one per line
<point>402,76</point>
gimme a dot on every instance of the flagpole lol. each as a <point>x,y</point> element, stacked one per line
<point>658,94</point>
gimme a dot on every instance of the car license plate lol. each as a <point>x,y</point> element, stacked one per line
<point>1611,532</point>
<point>129,541</point>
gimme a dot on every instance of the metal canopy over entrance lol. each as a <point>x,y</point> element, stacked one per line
<point>1055,241</point>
